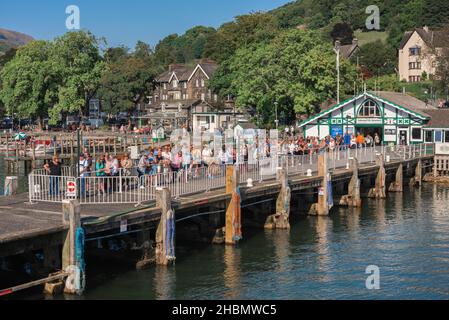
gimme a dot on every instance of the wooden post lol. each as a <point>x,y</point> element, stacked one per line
<point>353,199</point>
<point>397,185</point>
<point>322,207</point>
<point>55,146</point>
<point>11,184</point>
<point>71,218</point>
<point>233,229</point>
<point>280,220</point>
<point>417,179</point>
<point>165,233</point>
<point>378,191</point>
<point>33,146</point>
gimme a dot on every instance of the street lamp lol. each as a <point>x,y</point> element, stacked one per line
<point>337,51</point>
<point>277,120</point>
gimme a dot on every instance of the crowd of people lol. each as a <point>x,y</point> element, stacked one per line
<point>189,159</point>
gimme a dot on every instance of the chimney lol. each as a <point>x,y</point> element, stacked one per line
<point>355,42</point>
<point>426,28</point>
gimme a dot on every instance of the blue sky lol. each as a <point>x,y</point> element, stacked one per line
<point>125,21</point>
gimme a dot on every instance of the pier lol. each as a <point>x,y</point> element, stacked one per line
<point>221,203</point>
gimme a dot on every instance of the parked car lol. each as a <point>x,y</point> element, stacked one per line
<point>6,123</point>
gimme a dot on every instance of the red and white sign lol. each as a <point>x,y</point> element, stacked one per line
<point>71,189</point>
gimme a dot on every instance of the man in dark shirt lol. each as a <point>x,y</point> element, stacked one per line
<point>54,170</point>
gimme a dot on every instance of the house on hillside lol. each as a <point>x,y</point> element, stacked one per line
<point>396,117</point>
<point>350,51</point>
<point>182,98</point>
<point>417,54</point>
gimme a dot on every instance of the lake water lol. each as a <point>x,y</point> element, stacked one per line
<point>406,236</point>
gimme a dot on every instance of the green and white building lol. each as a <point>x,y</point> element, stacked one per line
<point>397,118</point>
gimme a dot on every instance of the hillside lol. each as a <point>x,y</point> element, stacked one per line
<point>12,39</point>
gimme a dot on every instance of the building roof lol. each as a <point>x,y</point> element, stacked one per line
<point>401,101</point>
<point>184,73</point>
<point>432,38</point>
<point>406,101</point>
<point>439,118</point>
<point>349,49</point>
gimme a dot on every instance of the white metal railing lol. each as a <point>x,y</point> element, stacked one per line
<point>128,186</point>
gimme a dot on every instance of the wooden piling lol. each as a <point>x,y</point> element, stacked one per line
<point>322,207</point>
<point>233,229</point>
<point>378,192</point>
<point>417,179</point>
<point>397,185</point>
<point>165,233</point>
<point>71,218</point>
<point>280,220</point>
<point>353,199</point>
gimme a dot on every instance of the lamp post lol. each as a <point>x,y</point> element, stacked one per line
<point>277,120</point>
<point>337,51</point>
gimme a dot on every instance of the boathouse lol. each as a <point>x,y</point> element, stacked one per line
<point>397,118</point>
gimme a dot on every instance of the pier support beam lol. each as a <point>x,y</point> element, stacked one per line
<point>11,184</point>
<point>233,228</point>
<point>73,247</point>
<point>417,179</point>
<point>322,207</point>
<point>352,199</point>
<point>280,220</point>
<point>398,184</point>
<point>165,233</point>
<point>378,192</point>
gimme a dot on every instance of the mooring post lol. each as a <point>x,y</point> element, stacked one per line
<point>233,229</point>
<point>165,233</point>
<point>417,179</point>
<point>11,184</point>
<point>73,247</point>
<point>353,199</point>
<point>323,206</point>
<point>397,185</point>
<point>280,220</point>
<point>378,191</point>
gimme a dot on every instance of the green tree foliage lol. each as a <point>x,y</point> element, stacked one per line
<point>436,13</point>
<point>27,81</point>
<point>384,83</point>
<point>293,69</point>
<point>127,78</point>
<point>244,31</point>
<point>342,32</point>
<point>378,58</point>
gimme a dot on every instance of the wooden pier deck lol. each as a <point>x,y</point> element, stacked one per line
<point>22,224</point>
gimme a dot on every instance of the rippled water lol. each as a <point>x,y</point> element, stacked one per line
<point>406,236</point>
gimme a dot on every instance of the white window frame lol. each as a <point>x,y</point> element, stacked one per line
<point>411,133</point>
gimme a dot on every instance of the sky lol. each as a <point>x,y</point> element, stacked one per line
<point>124,22</point>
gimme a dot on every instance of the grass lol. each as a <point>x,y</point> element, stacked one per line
<point>370,36</point>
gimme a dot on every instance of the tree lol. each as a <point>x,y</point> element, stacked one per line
<point>293,70</point>
<point>441,77</point>
<point>28,88</point>
<point>378,58</point>
<point>75,58</point>
<point>126,81</point>
<point>342,32</point>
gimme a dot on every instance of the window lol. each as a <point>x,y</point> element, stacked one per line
<point>202,83</point>
<point>414,65</point>
<point>416,134</point>
<point>369,109</point>
<point>177,95</point>
<point>415,51</point>
<point>197,83</point>
<point>185,85</point>
<point>414,78</point>
<point>165,86</point>
<point>446,136</point>
<point>428,136</point>
<point>438,136</point>
<point>215,98</point>
<point>175,83</point>
<point>203,97</point>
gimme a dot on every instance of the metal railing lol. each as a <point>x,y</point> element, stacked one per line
<point>130,187</point>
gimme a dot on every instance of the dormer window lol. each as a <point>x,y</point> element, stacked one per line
<point>175,83</point>
<point>369,109</point>
<point>415,51</point>
<point>202,83</point>
<point>165,86</point>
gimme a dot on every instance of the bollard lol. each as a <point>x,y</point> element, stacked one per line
<point>280,220</point>
<point>165,233</point>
